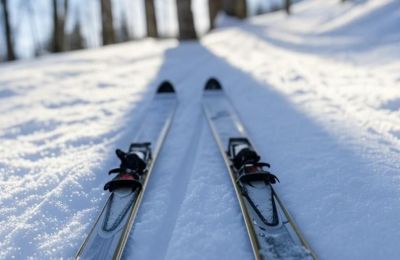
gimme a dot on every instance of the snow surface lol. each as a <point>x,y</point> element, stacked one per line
<point>318,92</point>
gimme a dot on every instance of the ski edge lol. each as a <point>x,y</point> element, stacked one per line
<point>296,229</point>
<point>84,244</point>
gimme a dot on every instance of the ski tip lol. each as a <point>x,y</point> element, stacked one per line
<point>166,87</point>
<point>213,84</point>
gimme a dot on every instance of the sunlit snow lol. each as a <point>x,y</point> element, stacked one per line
<point>317,90</point>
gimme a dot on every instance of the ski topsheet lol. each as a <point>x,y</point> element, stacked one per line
<point>272,232</point>
<point>110,232</point>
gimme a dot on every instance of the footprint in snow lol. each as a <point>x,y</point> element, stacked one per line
<point>296,78</point>
<point>395,133</point>
<point>65,103</point>
<point>31,127</point>
<point>104,85</point>
<point>392,105</point>
<point>6,93</point>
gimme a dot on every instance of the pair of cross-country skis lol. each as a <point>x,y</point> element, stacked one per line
<point>272,232</point>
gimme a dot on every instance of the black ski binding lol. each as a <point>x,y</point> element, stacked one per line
<point>132,168</point>
<point>247,162</point>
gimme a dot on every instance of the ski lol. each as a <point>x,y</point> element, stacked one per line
<point>107,238</point>
<point>272,231</point>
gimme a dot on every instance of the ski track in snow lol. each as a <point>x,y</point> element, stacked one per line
<point>318,92</point>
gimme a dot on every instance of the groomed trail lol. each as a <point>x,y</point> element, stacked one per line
<point>318,92</point>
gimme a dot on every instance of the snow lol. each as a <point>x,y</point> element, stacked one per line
<point>318,92</point>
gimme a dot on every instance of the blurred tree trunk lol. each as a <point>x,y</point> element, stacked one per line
<point>107,22</point>
<point>214,6</point>
<point>123,33</point>
<point>56,44</point>
<point>237,8</point>
<point>241,9</point>
<point>151,20</point>
<point>8,31</point>
<point>76,41</point>
<point>287,6</point>
<point>59,20</point>
<point>185,20</point>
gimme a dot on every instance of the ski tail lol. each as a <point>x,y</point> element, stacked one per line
<point>212,84</point>
<point>165,87</point>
